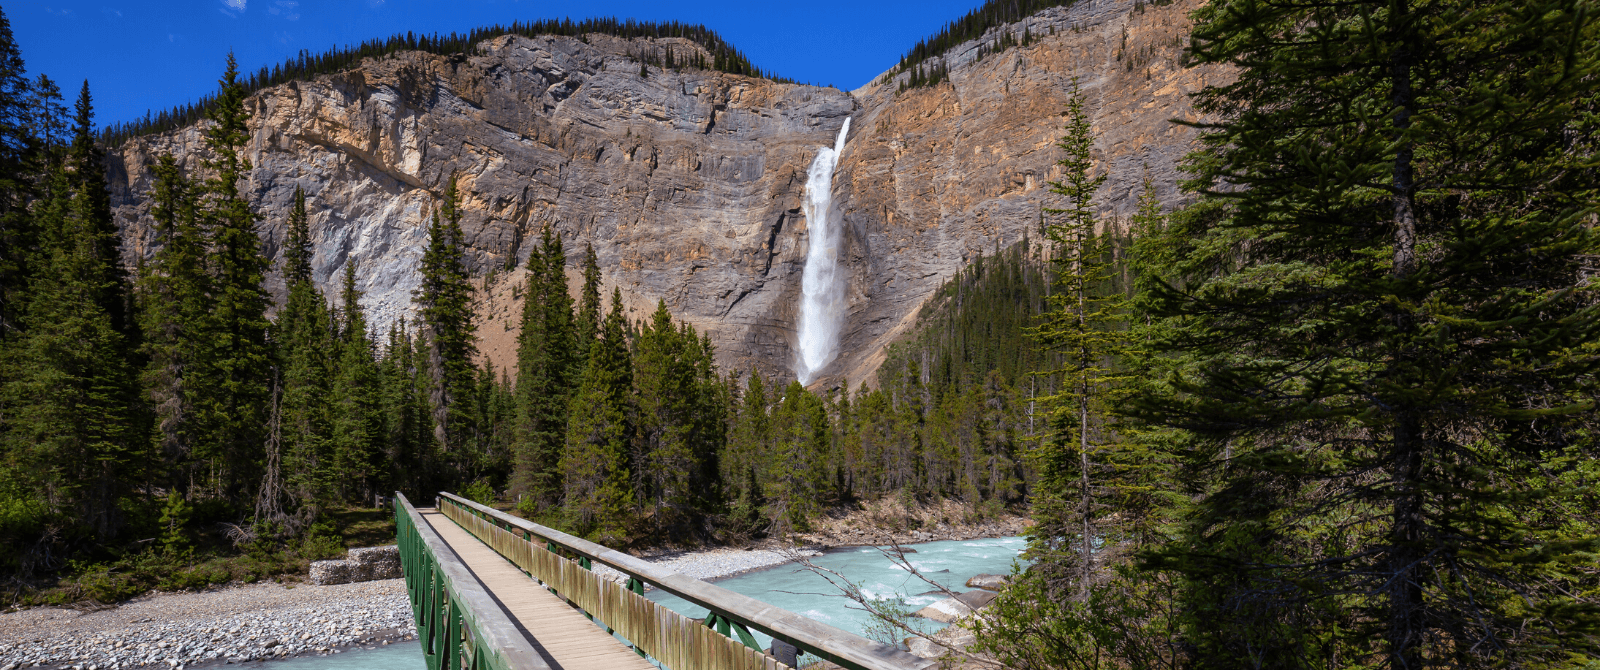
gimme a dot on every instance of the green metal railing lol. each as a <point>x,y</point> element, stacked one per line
<point>674,641</point>
<point>563,563</point>
<point>458,622</point>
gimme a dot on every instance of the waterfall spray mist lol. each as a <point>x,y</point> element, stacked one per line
<point>821,291</point>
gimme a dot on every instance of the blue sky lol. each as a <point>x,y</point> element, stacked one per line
<point>146,54</point>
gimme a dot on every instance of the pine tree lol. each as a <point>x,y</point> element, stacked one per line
<point>446,314</point>
<point>1081,324</point>
<point>297,250</point>
<point>546,368</point>
<point>69,393</point>
<point>1382,337</point>
<point>749,442</point>
<point>16,239</point>
<point>356,420</point>
<point>174,303</point>
<point>237,362</point>
<point>594,465</point>
<point>305,344</point>
<point>408,432</point>
<point>587,326</point>
<point>797,468</point>
<point>678,432</point>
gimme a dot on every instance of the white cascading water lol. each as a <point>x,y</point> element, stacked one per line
<point>821,292</point>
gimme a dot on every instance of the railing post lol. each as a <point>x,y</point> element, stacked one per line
<point>723,625</point>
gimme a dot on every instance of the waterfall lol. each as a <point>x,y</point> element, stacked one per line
<point>821,291</point>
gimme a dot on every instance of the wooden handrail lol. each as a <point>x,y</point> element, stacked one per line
<point>844,648</point>
<point>490,638</point>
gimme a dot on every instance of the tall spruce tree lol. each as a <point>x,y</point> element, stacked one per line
<point>587,327</point>
<point>356,421</point>
<point>1382,337</point>
<point>404,401</point>
<point>679,430</point>
<point>69,392</point>
<point>305,344</point>
<point>595,468</point>
<point>446,318</point>
<point>797,467</point>
<point>237,364</point>
<point>16,240</point>
<point>173,302</point>
<point>1081,324</point>
<point>546,368</point>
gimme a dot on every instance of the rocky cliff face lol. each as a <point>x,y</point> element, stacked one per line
<point>938,175</point>
<point>688,183</point>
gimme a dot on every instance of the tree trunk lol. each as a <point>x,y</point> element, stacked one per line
<point>1407,609</point>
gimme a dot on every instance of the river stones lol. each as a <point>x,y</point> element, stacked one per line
<point>950,609</point>
<point>987,582</point>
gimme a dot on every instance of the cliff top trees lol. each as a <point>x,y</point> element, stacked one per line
<point>1381,337</point>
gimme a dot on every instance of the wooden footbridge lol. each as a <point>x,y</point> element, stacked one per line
<point>491,591</point>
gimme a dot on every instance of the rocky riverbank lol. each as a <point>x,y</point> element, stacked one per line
<point>208,628</point>
<point>270,621</point>
<point>890,519</point>
<point>260,621</point>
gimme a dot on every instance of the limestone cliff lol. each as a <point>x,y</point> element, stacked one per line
<point>688,183</point>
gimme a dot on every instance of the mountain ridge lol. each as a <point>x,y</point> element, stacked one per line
<point>688,182</point>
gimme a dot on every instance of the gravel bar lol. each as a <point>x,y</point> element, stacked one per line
<point>259,622</point>
<point>208,628</point>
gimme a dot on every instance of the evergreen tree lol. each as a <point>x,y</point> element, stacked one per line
<point>546,360</point>
<point>174,302</point>
<point>237,362</point>
<point>595,467</point>
<point>678,432</point>
<point>587,327</point>
<point>749,442</point>
<point>356,419</point>
<point>1381,337</point>
<point>297,250</point>
<point>446,313</point>
<point>797,466</point>
<point>69,395</point>
<point>1081,324</point>
<point>408,428</point>
<point>16,240</point>
<point>1125,616</point>
<point>306,346</point>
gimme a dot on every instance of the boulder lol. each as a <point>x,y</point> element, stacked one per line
<point>950,609</point>
<point>954,637</point>
<point>987,582</point>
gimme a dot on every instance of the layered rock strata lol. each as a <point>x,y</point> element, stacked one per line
<point>688,183</point>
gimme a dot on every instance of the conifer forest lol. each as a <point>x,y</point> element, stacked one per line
<point>1332,407</point>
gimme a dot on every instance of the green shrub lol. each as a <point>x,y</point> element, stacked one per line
<point>480,492</point>
<point>174,523</point>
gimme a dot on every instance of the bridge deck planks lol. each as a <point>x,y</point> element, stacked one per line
<point>562,634</point>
